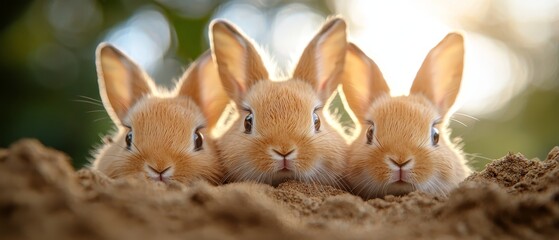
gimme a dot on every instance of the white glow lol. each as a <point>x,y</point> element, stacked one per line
<point>283,31</point>
<point>397,35</point>
<point>293,27</point>
<point>538,19</point>
<point>247,17</point>
<point>145,38</point>
<point>488,81</point>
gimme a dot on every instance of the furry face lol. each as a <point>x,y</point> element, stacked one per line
<point>160,135</point>
<point>404,141</point>
<point>181,154</point>
<point>281,133</point>
<point>284,141</point>
<point>398,150</point>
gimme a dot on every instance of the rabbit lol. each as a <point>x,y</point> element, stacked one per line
<point>160,134</point>
<point>280,133</point>
<point>404,144</point>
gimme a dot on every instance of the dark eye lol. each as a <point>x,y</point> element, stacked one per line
<point>434,136</point>
<point>198,140</point>
<point>370,132</point>
<point>129,140</point>
<point>316,121</point>
<point>248,123</point>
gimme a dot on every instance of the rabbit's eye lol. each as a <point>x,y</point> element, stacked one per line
<point>316,121</point>
<point>198,140</point>
<point>434,136</point>
<point>128,140</point>
<point>248,123</point>
<point>370,132</point>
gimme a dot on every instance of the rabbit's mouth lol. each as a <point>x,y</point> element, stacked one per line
<point>285,169</point>
<point>284,161</point>
<point>286,166</point>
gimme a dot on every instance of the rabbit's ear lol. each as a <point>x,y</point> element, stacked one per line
<point>323,59</point>
<point>440,74</point>
<point>201,83</point>
<point>121,82</point>
<point>362,81</point>
<point>238,62</point>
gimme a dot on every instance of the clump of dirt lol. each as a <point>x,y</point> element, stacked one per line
<point>517,175</point>
<point>42,197</point>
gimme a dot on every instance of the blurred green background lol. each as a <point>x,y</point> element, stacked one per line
<point>511,94</point>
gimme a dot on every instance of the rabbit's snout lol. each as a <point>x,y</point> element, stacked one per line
<point>162,174</point>
<point>400,168</point>
<point>283,158</point>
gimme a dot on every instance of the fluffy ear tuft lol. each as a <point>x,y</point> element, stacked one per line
<point>323,59</point>
<point>238,62</point>
<point>362,81</point>
<point>440,74</point>
<point>121,82</point>
<point>201,83</point>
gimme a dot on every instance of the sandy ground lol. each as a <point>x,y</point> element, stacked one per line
<point>43,197</point>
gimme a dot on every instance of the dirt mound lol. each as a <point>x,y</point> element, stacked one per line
<point>42,197</point>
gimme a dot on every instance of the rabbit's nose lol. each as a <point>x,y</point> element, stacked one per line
<point>159,174</point>
<point>283,154</point>
<point>399,163</point>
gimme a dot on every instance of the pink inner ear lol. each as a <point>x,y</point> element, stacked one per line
<point>322,86</point>
<point>239,62</point>
<point>121,81</point>
<point>240,88</point>
<point>330,59</point>
<point>323,58</point>
<point>440,75</point>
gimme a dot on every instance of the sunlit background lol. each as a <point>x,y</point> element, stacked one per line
<point>509,101</point>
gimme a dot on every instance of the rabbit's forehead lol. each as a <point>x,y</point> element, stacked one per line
<point>165,118</point>
<point>288,100</point>
<point>403,117</point>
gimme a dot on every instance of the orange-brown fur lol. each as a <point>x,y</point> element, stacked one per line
<point>162,122</point>
<point>284,122</point>
<point>162,130</point>
<point>402,126</point>
<point>282,110</point>
<point>398,134</point>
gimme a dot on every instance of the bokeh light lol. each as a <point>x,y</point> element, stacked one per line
<point>252,20</point>
<point>146,37</point>
<point>292,28</point>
